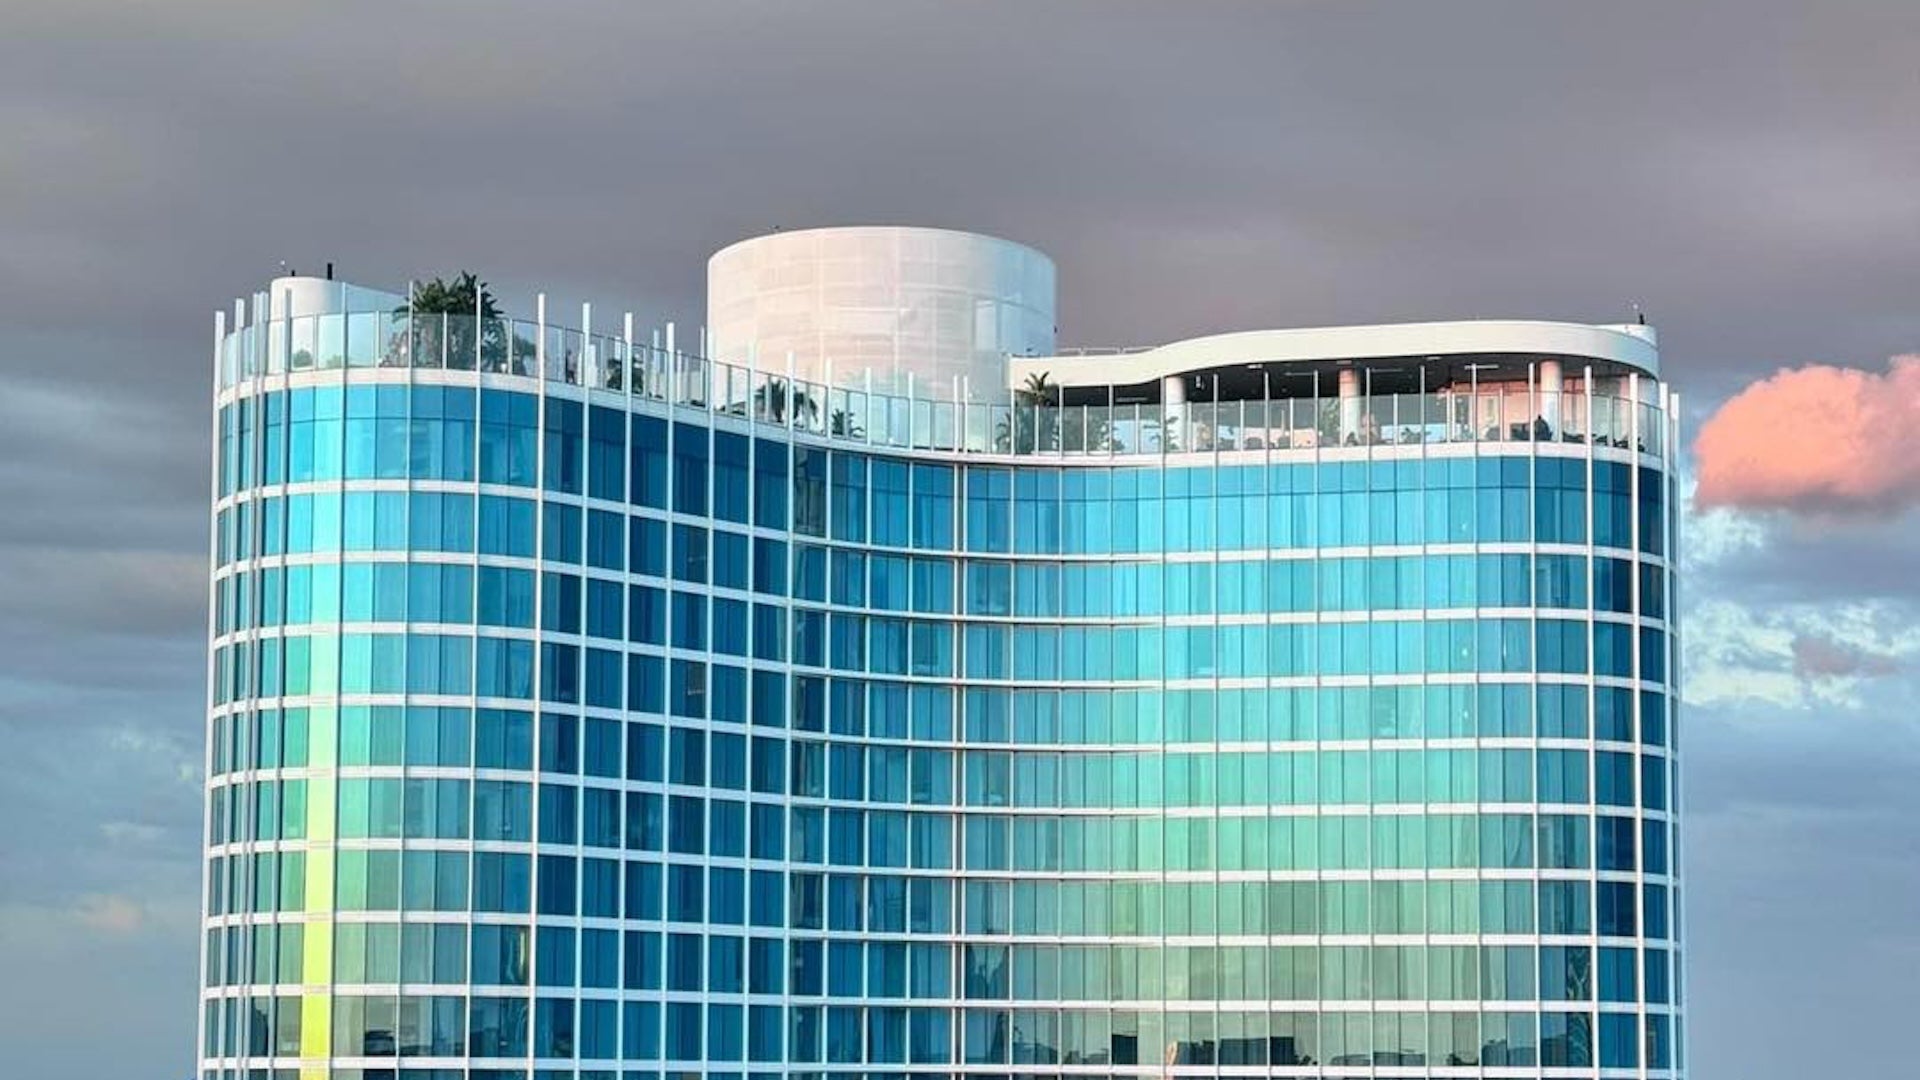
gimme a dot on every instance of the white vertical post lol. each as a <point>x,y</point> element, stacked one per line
<point>1593,430</point>
<point>1533,406</point>
<point>1586,402</point>
<point>711,368</point>
<point>1473,402</point>
<point>407,344</point>
<point>754,403</point>
<point>286,331</point>
<point>674,393</point>
<point>1173,403</point>
<point>1318,441</point>
<point>478,325</point>
<point>540,335</point>
<point>659,376</point>
<point>586,343</point>
<point>656,379</point>
<point>1013,420</point>
<point>965,420</point>
<point>1213,419</point>
<point>626,353</point>
<point>1633,413</point>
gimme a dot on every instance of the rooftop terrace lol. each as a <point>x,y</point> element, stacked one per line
<point>1264,391</point>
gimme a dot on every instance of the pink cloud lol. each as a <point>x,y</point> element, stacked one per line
<point>1816,439</point>
<point>1820,658</point>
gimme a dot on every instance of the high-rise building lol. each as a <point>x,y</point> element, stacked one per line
<point>1292,703</point>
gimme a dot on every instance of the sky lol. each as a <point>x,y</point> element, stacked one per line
<point>1747,173</point>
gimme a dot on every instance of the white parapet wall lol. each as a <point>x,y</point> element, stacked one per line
<point>931,311</point>
<point>297,295</point>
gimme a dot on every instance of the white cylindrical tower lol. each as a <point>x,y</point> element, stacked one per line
<point>945,307</point>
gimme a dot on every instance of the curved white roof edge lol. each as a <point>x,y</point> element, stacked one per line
<point>870,227</point>
<point>1631,344</point>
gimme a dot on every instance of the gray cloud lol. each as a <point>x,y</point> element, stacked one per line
<point>1816,657</point>
<point>114,592</point>
<point>1567,165</point>
<point>1819,558</point>
<point>1742,170</point>
<point>1798,843</point>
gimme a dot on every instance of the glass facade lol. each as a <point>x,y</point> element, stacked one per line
<point>563,729</point>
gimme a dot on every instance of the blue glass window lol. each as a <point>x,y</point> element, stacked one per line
<point>769,566</point>
<point>1614,842</point>
<point>1566,1040</point>
<point>647,460</point>
<point>770,484</point>
<point>1619,1040</point>
<point>730,562</point>
<point>606,540</point>
<point>646,615</point>
<point>989,510</point>
<point>508,437</point>
<point>640,1030</point>
<point>730,477</point>
<point>606,453</point>
<point>565,464</point>
<point>690,470</point>
<point>647,546</point>
<point>560,603</point>
<point>506,526</point>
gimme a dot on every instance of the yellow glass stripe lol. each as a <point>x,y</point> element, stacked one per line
<point>316,1033</point>
<point>316,961</point>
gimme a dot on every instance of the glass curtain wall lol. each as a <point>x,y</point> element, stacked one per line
<point>561,731</point>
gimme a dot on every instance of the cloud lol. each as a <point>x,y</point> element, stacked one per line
<point>1817,440</point>
<point>1766,557</point>
<point>1718,535</point>
<point>1798,832</point>
<point>1816,657</point>
<point>110,914</point>
<point>1793,657</point>
<point>139,593</point>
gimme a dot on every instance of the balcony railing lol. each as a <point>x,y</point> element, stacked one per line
<point>1499,412</point>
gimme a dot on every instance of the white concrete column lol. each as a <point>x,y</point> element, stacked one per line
<point>1349,405</point>
<point>1551,384</point>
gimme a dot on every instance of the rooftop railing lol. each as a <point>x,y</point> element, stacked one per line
<point>1512,411</point>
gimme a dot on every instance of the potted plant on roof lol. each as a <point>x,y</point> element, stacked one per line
<point>1035,423</point>
<point>445,314</point>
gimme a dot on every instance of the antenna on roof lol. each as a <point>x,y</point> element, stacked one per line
<point>1639,316</point>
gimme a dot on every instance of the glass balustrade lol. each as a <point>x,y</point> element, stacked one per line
<point>1491,412</point>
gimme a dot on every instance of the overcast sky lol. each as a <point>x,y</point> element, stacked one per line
<point>1748,173</point>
